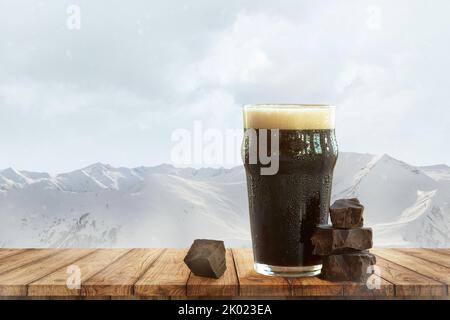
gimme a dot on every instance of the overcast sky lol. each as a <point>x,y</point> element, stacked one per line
<point>114,90</point>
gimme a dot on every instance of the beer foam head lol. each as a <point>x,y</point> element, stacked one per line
<point>289,117</point>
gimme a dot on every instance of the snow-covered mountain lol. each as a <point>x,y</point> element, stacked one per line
<point>166,206</point>
<point>406,205</point>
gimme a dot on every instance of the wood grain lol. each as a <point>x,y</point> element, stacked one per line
<point>55,284</point>
<point>314,286</point>
<point>424,267</point>
<point>441,250</point>
<point>161,273</point>
<point>118,278</point>
<point>25,257</point>
<point>9,252</point>
<point>14,282</point>
<point>168,276</point>
<point>227,285</point>
<point>429,255</point>
<point>254,284</point>
<point>407,282</point>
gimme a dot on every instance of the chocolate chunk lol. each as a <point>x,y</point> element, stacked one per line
<point>206,258</point>
<point>348,267</point>
<point>327,240</point>
<point>347,214</point>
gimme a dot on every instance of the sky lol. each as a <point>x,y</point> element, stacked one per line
<point>111,81</point>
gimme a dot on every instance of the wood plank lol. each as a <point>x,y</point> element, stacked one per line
<point>10,252</point>
<point>407,282</point>
<point>314,286</point>
<point>441,250</point>
<point>168,276</point>
<point>429,255</point>
<point>55,284</point>
<point>157,272</point>
<point>252,283</point>
<point>118,278</point>
<point>24,258</point>
<point>14,282</point>
<point>227,285</point>
<point>426,268</point>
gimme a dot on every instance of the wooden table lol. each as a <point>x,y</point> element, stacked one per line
<point>161,273</point>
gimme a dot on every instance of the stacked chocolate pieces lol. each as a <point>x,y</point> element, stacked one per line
<point>344,245</point>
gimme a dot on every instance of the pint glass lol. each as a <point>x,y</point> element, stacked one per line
<point>287,202</point>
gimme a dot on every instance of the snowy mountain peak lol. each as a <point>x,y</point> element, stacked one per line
<point>35,175</point>
<point>164,166</point>
<point>14,175</point>
<point>440,166</point>
<point>440,172</point>
<point>11,178</point>
<point>388,158</point>
<point>98,167</point>
<point>101,205</point>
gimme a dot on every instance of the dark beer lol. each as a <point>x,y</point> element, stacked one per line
<point>286,206</point>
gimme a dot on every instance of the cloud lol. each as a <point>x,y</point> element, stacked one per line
<point>114,90</point>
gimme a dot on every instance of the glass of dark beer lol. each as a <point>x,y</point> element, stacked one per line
<point>286,204</point>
